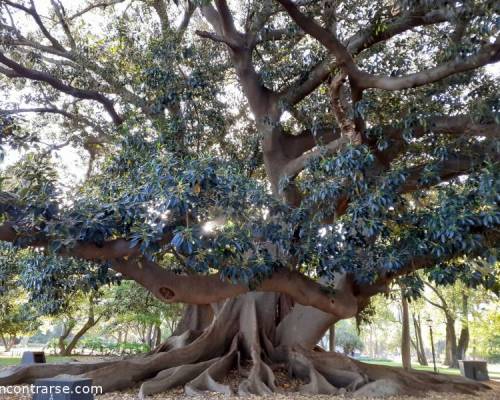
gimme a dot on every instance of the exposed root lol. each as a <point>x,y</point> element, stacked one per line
<point>260,380</point>
<point>244,336</point>
<point>208,381</point>
<point>173,377</point>
<point>303,368</point>
<point>176,342</point>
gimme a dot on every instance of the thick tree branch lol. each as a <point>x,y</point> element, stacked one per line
<point>457,126</point>
<point>342,56</point>
<point>186,18</point>
<point>293,167</point>
<point>339,107</point>
<point>240,46</point>
<point>34,14</point>
<point>460,125</point>
<point>448,169</point>
<point>63,87</point>
<point>9,73</point>
<point>161,10</point>
<point>414,264</point>
<point>486,55</point>
<point>360,41</point>
<point>171,287</point>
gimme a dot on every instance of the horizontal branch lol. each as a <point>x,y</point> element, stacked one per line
<point>458,126</point>
<point>293,167</point>
<point>367,38</point>
<point>63,87</point>
<point>171,287</point>
<point>486,55</point>
<point>100,4</point>
<point>416,263</point>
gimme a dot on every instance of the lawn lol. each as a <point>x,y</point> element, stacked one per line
<point>6,361</point>
<point>493,369</point>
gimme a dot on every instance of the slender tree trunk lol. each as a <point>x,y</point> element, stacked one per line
<point>6,343</point>
<point>419,344</point>
<point>447,349</point>
<point>463,341</point>
<point>331,338</point>
<point>66,331</point>
<point>157,335</point>
<point>149,333</point>
<point>74,341</point>
<point>405,334</point>
<point>90,323</point>
<point>451,342</point>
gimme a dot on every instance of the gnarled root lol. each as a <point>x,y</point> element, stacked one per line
<point>250,335</point>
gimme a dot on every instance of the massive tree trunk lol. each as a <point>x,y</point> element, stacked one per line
<point>254,335</point>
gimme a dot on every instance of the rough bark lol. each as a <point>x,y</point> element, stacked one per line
<point>250,336</point>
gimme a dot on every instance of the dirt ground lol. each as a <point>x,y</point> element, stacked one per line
<point>287,389</point>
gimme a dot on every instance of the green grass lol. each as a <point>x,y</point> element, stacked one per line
<point>6,361</point>
<point>493,369</point>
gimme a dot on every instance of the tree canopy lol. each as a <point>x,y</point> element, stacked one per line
<point>315,150</point>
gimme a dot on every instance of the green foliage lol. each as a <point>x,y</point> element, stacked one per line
<point>347,337</point>
<point>485,333</point>
<point>187,154</point>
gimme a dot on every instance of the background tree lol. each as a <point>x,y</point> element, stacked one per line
<point>453,302</point>
<point>87,310</point>
<point>273,165</point>
<point>348,338</point>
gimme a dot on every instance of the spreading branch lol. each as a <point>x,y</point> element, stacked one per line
<point>61,86</point>
<point>171,287</point>
<point>488,54</point>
